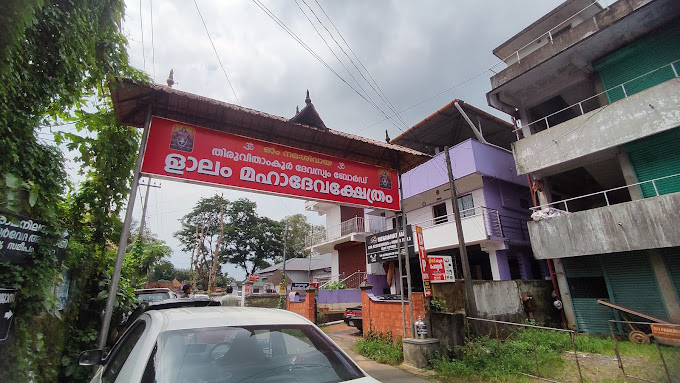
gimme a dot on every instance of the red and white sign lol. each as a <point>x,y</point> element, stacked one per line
<point>195,154</point>
<point>441,268</point>
<point>254,278</point>
<point>424,266</point>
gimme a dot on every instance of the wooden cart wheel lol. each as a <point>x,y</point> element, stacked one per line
<point>638,337</point>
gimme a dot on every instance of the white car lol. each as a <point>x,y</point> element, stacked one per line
<point>224,344</point>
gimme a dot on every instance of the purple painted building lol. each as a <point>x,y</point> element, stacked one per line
<point>494,202</point>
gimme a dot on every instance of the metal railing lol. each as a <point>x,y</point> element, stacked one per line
<point>515,228</point>
<point>351,282</point>
<point>654,183</point>
<point>654,370</point>
<point>479,330</point>
<point>548,34</point>
<point>492,222</point>
<point>351,226</point>
<point>579,106</point>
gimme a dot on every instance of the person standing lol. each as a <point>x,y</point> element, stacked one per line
<point>230,299</point>
<point>186,290</point>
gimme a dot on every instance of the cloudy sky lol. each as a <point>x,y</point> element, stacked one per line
<point>422,55</point>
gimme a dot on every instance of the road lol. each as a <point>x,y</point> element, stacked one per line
<point>346,337</point>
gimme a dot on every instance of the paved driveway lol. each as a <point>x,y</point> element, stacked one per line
<point>346,337</point>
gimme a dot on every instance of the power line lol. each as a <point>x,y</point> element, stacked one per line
<point>373,103</point>
<point>299,41</point>
<point>379,91</point>
<point>216,54</point>
<point>141,27</point>
<point>153,49</point>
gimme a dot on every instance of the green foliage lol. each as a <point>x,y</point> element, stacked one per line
<point>55,57</point>
<point>142,258</point>
<point>382,348</point>
<point>438,304</point>
<point>335,285</point>
<point>249,241</point>
<point>298,230</point>
<point>480,357</point>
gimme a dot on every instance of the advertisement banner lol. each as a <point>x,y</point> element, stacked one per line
<point>254,278</point>
<point>424,265</point>
<point>382,247</point>
<point>441,268</point>
<point>185,152</point>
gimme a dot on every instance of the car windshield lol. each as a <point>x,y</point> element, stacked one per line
<point>148,297</point>
<point>291,353</point>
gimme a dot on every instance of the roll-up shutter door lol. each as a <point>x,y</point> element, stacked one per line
<point>671,256</point>
<point>655,157</point>
<point>586,285</point>
<point>644,63</point>
<point>633,283</point>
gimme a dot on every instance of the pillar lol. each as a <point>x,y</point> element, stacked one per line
<point>668,294</point>
<point>568,307</point>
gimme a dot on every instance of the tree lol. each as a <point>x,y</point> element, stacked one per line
<point>250,241</point>
<point>298,231</point>
<point>55,58</point>
<point>199,233</point>
<point>143,257</point>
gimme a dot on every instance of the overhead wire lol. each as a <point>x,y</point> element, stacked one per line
<point>314,54</point>
<point>381,96</point>
<point>141,27</point>
<point>373,103</point>
<point>153,48</point>
<point>379,90</point>
<point>216,54</point>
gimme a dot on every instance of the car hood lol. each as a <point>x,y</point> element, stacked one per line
<point>366,379</point>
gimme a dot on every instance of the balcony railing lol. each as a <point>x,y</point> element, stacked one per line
<point>648,188</point>
<point>351,282</point>
<point>550,33</point>
<point>492,221</point>
<point>585,106</point>
<point>354,225</point>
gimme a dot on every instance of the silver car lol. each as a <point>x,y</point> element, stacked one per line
<point>224,344</point>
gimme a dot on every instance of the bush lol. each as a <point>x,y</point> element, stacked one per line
<point>382,348</point>
<point>335,285</point>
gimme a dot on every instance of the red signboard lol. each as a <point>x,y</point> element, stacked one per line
<point>441,268</point>
<point>195,154</point>
<point>254,278</point>
<point>424,265</point>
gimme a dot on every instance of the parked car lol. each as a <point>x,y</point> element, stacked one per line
<point>223,344</point>
<point>157,294</point>
<point>353,317</point>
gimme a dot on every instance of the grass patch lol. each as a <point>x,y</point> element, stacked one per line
<point>382,348</point>
<point>480,359</point>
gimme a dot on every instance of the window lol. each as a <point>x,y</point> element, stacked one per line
<point>249,354</point>
<point>121,351</point>
<point>439,213</point>
<point>466,206</point>
<point>394,222</point>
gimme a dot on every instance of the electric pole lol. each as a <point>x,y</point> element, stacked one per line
<point>470,305</point>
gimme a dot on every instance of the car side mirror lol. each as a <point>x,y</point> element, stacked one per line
<point>90,358</point>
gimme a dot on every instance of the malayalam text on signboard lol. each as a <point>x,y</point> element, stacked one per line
<point>202,155</point>
<point>424,265</point>
<point>20,238</point>
<point>441,268</point>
